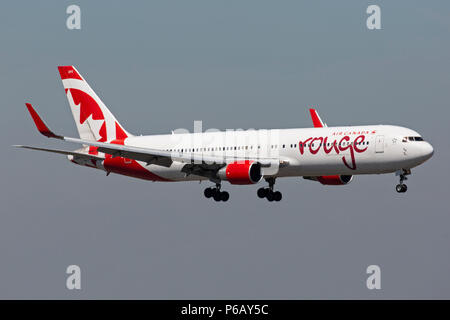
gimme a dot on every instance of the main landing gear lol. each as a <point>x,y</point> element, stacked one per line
<point>401,187</point>
<point>268,193</point>
<point>216,194</point>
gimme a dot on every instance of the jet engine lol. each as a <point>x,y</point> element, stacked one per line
<point>241,172</point>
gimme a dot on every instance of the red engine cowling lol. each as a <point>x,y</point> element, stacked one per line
<point>335,180</point>
<point>242,172</point>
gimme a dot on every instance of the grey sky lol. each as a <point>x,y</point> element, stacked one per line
<point>160,65</point>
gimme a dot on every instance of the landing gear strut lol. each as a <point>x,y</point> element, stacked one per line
<point>401,187</point>
<point>216,194</point>
<point>268,193</point>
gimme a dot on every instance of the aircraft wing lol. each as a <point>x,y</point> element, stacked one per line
<point>197,161</point>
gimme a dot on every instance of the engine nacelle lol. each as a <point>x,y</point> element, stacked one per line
<point>242,172</point>
<point>334,180</point>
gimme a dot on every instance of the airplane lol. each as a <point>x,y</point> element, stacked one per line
<point>328,155</point>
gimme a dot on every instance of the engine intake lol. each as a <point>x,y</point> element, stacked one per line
<point>241,172</point>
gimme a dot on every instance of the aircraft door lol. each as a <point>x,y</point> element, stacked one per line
<point>379,144</point>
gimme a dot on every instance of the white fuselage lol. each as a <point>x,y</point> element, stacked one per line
<point>348,150</point>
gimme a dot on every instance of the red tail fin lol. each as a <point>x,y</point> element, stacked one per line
<point>93,119</point>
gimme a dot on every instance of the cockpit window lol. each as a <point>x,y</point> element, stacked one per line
<point>405,139</point>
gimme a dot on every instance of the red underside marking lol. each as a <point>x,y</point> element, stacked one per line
<point>93,150</point>
<point>330,180</point>
<point>128,167</point>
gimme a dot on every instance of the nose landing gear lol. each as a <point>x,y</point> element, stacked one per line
<point>268,193</point>
<point>216,194</point>
<point>401,187</point>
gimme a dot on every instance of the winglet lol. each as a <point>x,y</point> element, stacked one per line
<point>41,126</point>
<point>317,122</point>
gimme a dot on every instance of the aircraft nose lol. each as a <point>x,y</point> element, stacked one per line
<point>427,150</point>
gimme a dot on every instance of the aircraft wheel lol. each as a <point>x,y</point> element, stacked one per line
<point>224,196</point>
<point>277,196</point>
<point>401,188</point>
<point>217,196</point>
<point>262,192</point>
<point>208,192</point>
<point>270,196</point>
<point>404,188</point>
